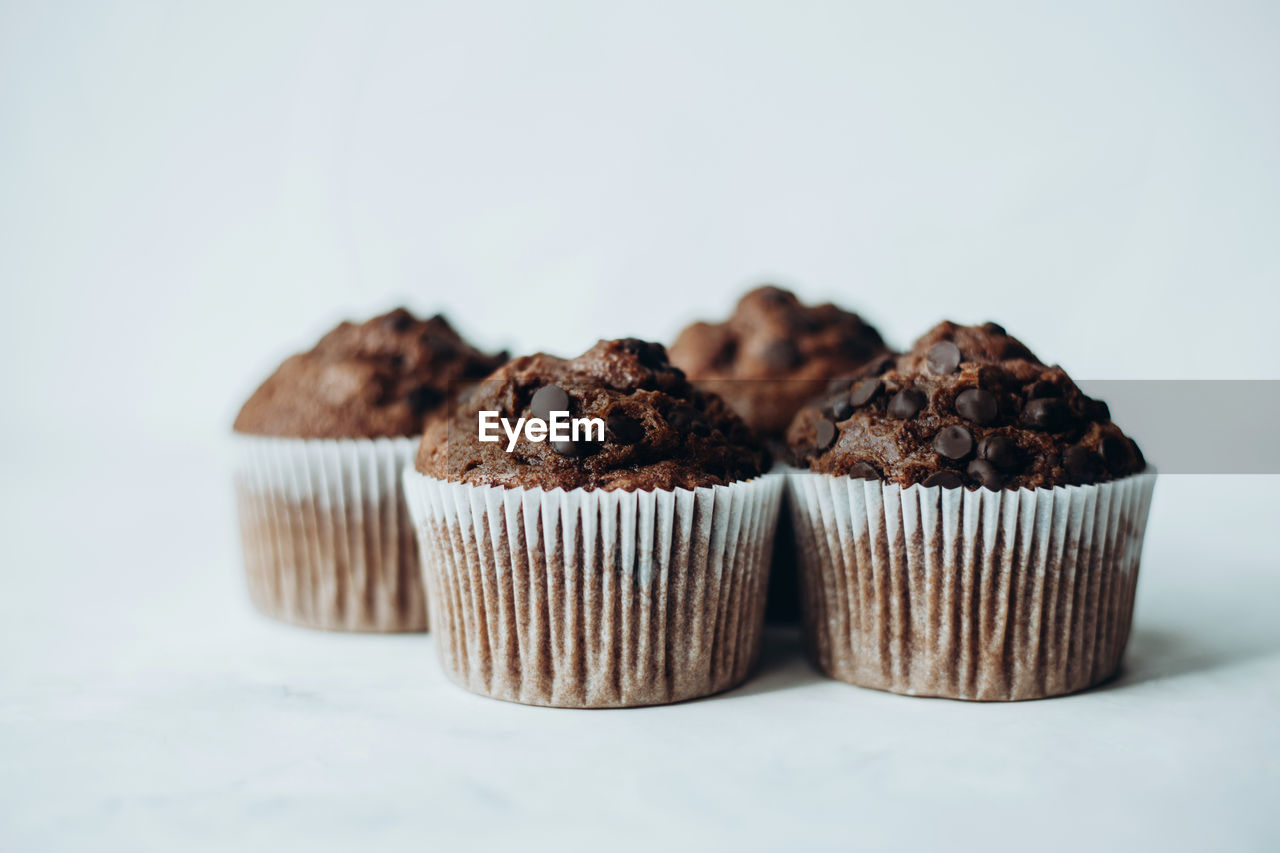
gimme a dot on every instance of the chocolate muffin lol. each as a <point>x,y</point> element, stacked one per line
<point>771,356</point>
<point>321,446</point>
<point>378,378</point>
<point>627,567</point>
<point>970,524</point>
<point>660,431</point>
<point>967,406</point>
<point>774,353</point>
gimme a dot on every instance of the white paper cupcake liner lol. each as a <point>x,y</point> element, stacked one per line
<point>989,595</point>
<point>595,599</point>
<point>326,535</point>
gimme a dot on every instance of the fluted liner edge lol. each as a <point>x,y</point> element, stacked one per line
<point>326,534</point>
<point>595,599</point>
<point>968,594</point>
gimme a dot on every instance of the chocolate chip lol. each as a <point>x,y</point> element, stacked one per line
<point>650,355</point>
<point>1043,389</point>
<point>945,479</point>
<point>423,399</point>
<point>977,405</point>
<point>839,384</point>
<point>863,471</point>
<point>824,434</point>
<point>1081,464</point>
<point>954,442</point>
<point>994,328</point>
<point>943,357</point>
<point>841,408</point>
<point>623,428</point>
<point>1115,453</point>
<point>781,354</point>
<point>879,367</point>
<point>1000,452</point>
<point>863,392</point>
<point>548,399</point>
<point>907,403</point>
<point>986,474</point>
<point>1046,413</point>
<point>1090,409</point>
<point>569,449</point>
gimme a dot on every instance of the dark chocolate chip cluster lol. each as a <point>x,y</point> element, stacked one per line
<point>966,406</point>
<point>660,432</point>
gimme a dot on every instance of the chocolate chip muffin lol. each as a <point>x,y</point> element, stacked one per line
<point>377,378</point>
<point>321,446</point>
<point>628,567</point>
<point>967,406</point>
<point>774,353</point>
<point>660,431</point>
<point>1019,585</point>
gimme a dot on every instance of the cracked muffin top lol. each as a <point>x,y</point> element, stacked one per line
<point>966,406</point>
<point>367,380</point>
<point>660,431</point>
<point>774,354</point>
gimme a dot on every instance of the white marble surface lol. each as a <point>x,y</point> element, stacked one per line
<point>143,705</point>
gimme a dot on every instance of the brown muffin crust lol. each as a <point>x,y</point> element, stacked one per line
<point>773,354</point>
<point>967,406</point>
<point>662,433</point>
<point>378,378</point>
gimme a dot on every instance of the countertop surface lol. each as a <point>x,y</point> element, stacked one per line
<point>145,705</point>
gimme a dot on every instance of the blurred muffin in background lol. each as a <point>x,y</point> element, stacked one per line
<point>774,354</point>
<point>367,380</point>
<point>320,448</point>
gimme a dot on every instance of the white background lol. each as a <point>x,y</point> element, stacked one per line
<point>189,192</point>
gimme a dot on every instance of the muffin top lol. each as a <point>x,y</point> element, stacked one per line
<point>967,406</point>
<point>659,431</point>
<point>774,354</point>
<point>379,378</point>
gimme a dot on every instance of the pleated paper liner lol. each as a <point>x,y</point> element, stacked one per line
<point>326,534</point>
<point>595,599</point>
<point>968,594</point>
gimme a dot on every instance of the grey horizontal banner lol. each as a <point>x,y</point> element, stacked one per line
<point>1198,426</point>
<point>1183,426</point>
